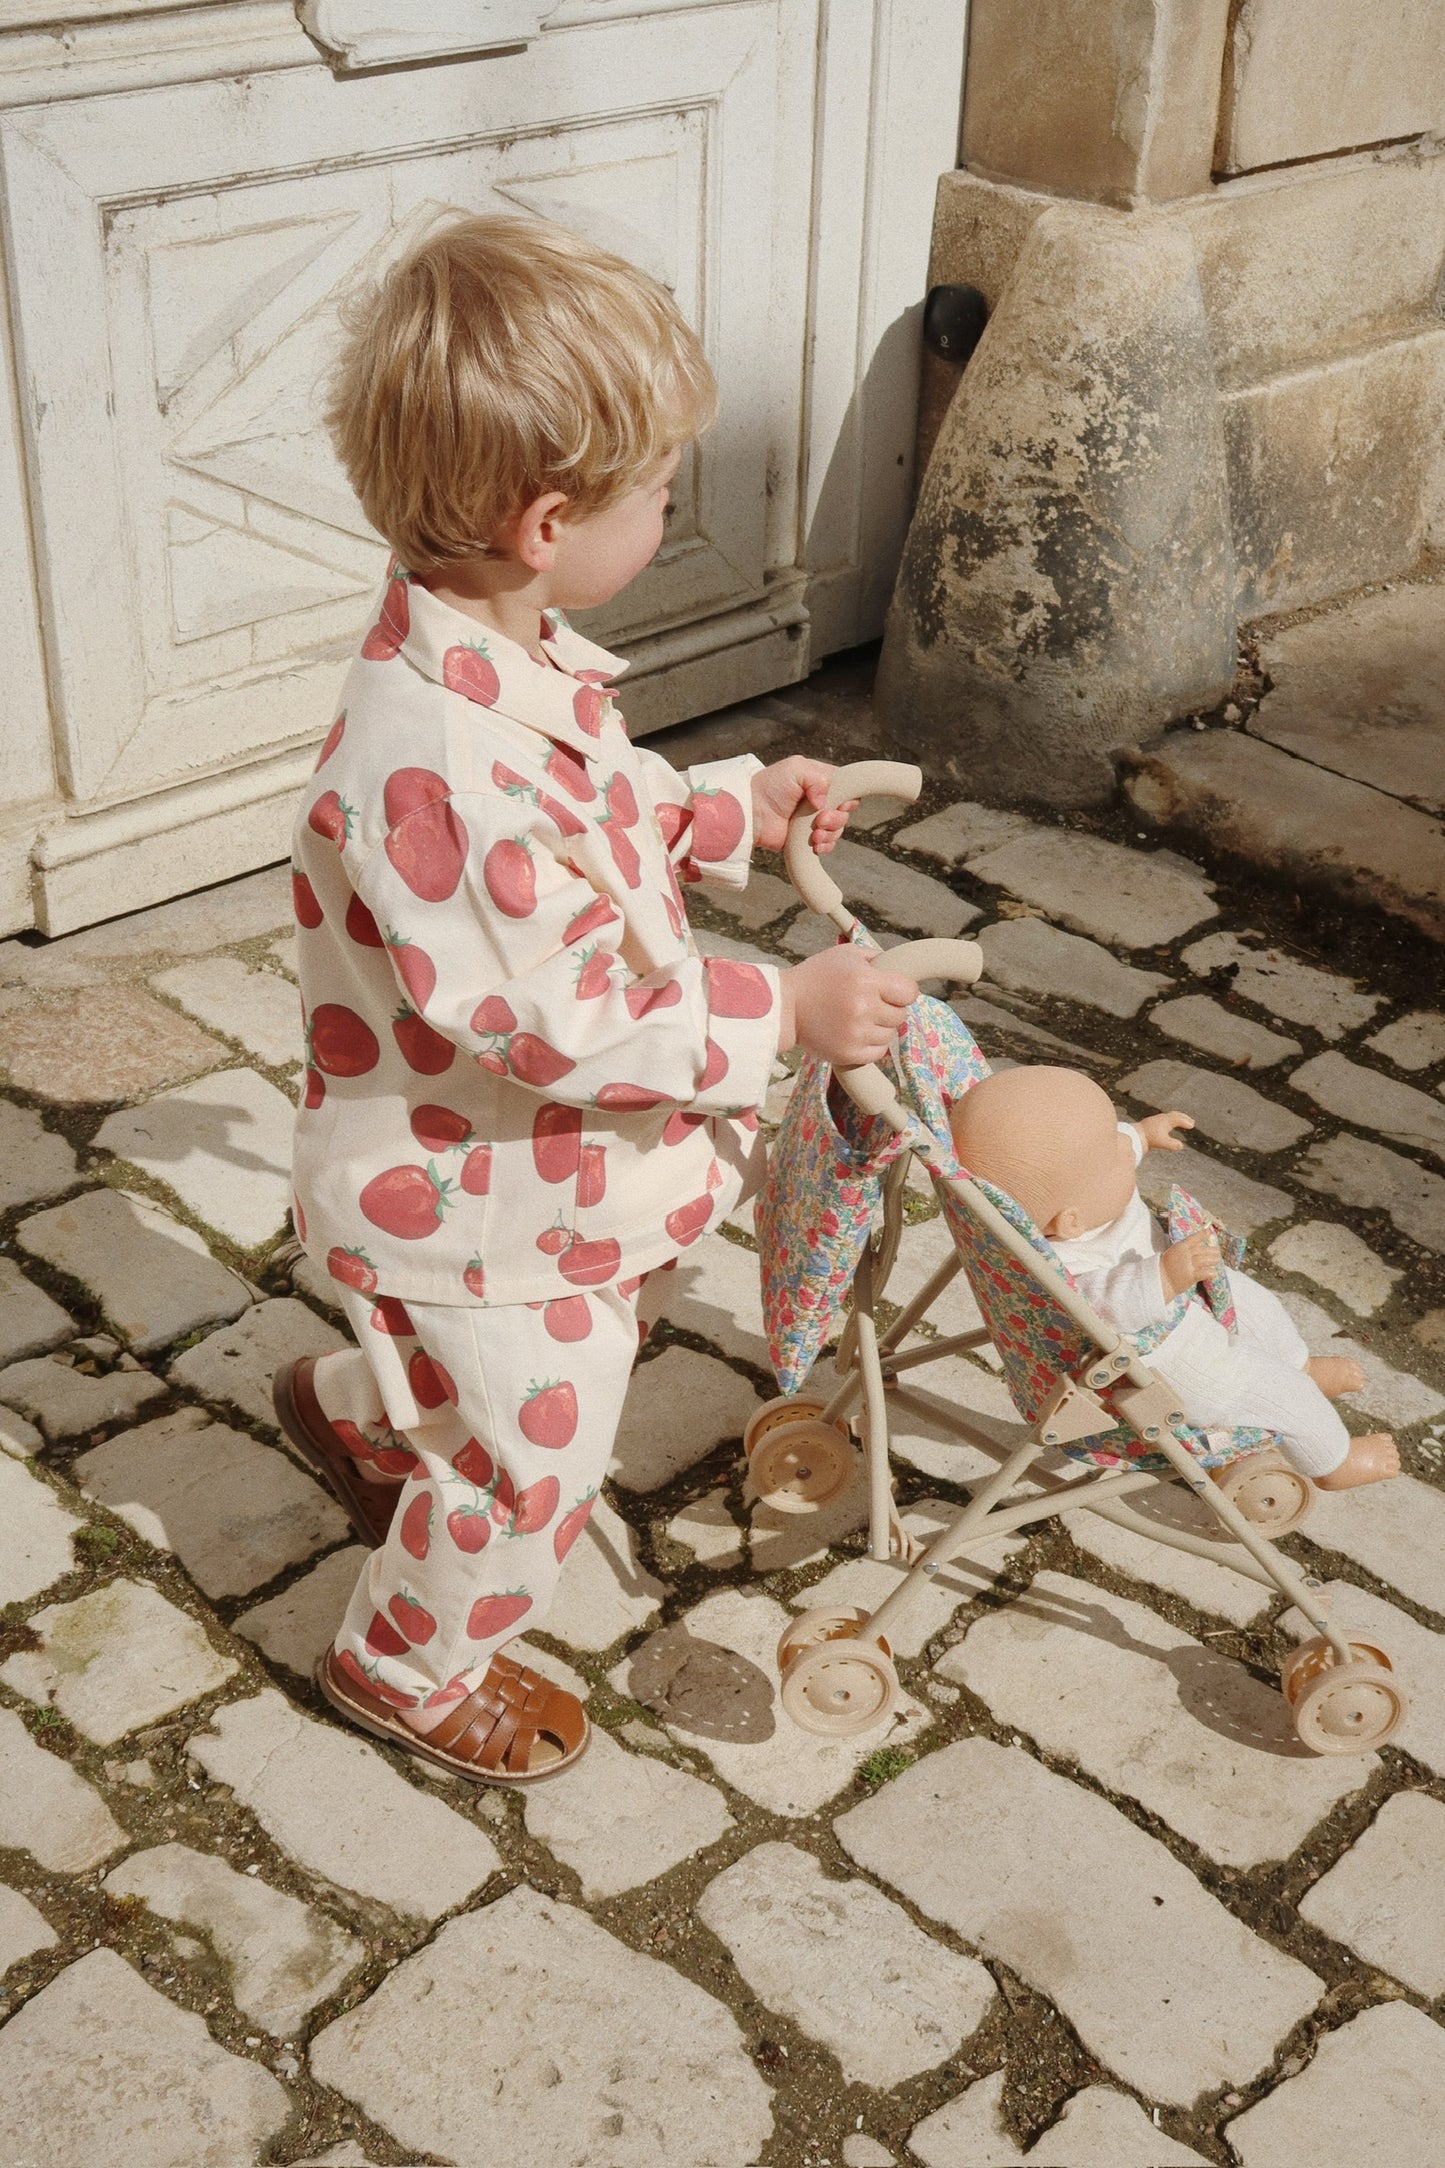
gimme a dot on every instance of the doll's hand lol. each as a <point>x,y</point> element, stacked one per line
<point>779,791</point>
<point>1157,1130</point>
<point>1188,1262</point>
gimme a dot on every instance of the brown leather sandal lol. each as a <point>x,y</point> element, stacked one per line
<point>512,1729</point>
<point>369,1506</point>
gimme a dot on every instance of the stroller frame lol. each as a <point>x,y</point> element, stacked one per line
<point>838,1675</point>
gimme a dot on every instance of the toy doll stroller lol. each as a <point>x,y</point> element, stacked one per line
<point>831,1219</point>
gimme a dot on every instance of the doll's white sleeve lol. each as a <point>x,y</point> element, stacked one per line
<point>1129,1294</point>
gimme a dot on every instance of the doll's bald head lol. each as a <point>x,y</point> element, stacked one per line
<point>1050,1139</point>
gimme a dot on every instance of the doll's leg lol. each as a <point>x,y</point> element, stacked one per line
<point>1235,1384</point>
<point>1265,1322</point>
<point>510,1413</point>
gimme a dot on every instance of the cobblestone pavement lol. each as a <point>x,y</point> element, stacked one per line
<point>1085,1902</point>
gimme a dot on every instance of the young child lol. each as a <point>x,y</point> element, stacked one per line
<point>525,1089</point>
<point>1049,1138</point>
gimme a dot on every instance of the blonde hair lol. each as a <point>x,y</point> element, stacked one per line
<point>501,359</point>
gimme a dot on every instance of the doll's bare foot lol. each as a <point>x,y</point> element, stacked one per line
<point>1373,1459</point>
<point>1335,1374</point>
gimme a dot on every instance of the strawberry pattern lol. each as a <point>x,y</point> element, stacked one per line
<point>507,1018</point>
<point>499,1423</point>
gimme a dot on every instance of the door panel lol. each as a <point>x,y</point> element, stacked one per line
<point>205,563</point>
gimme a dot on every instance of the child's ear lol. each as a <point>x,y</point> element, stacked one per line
<point>1065,1226</point>
<point>532,533</point>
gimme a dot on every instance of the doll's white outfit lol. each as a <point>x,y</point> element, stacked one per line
<point>525,1091</point>
<point>1254,1379</point>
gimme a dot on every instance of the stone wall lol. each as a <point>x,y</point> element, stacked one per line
<point>1212,386</point>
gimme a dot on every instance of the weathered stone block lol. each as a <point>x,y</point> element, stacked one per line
<point>1049,1878</point>
<point>331,1801</point>
<point>233,1511</point>
<point>1103,1683</point>
<point>47,1809</point>
<point>1067,578</point>
<point>1114,102</point>
<point>99,2066</point>
<point>567,2031</point>
<point>154,1279</point>
<point>1300,265</point>
<point>1329,470</point>
<point>845,1963</point>
<point>116,1659</point>
<point>283,1956</point>
<point>1386,1896</point>
<point>1302,81</point>
<point>223,1144</point>
<point>1135,898</point>
<point>1310,828</point>
<point>1282,985</point>
<point>1361,691</point>
<point>1379,2078</point>
<point>624,1819</point>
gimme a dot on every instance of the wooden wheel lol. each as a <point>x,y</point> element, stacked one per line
<point>811,1628</point>
<point>1272,1496</point>
<point>1349,1708</point>
<point>840,1688</point>
<point>801,1467</point>
<point>788,1408</point>
<point>1315,1655</point>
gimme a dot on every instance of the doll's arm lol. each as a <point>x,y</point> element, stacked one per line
<point>1129,1295</point>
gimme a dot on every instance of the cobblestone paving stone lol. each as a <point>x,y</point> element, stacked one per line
<point>1082,1903</point>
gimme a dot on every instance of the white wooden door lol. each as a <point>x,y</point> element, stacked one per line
<point>176,254</point>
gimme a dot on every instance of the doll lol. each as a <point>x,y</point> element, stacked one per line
<point>1051,1140</point>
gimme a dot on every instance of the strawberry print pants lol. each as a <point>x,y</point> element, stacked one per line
<point>500,1421</point>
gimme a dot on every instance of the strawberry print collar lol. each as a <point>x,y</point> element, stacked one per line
<point>566,700</point>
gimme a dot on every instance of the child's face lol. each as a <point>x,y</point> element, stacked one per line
<point>597,555</point>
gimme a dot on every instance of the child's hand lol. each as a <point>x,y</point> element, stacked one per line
<point>839,1005</point>
<point>780,790</point>
<point>1188,1262</point>
<point>1157,1130</point>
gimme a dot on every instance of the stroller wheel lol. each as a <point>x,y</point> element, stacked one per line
<point>1272,1496</point>
<point>811,1628</point>
<point>789,1408</point>
<point>801,1467</point>
<point>1315,1656</point>
<point>840,1688</point>
<point>1343,1708</point>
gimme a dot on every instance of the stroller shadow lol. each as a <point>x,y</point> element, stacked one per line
<point>703,1688</point>
<point>1214,1689</point>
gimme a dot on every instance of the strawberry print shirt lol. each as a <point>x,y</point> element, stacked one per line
<point>521,1076</point>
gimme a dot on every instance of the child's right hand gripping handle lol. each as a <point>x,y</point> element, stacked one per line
<point>958,961</point>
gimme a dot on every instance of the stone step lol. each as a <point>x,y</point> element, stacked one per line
<point>1233,792</point>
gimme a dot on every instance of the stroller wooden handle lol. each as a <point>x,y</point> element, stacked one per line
<point>860,779</point>
<point>960,961</point>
